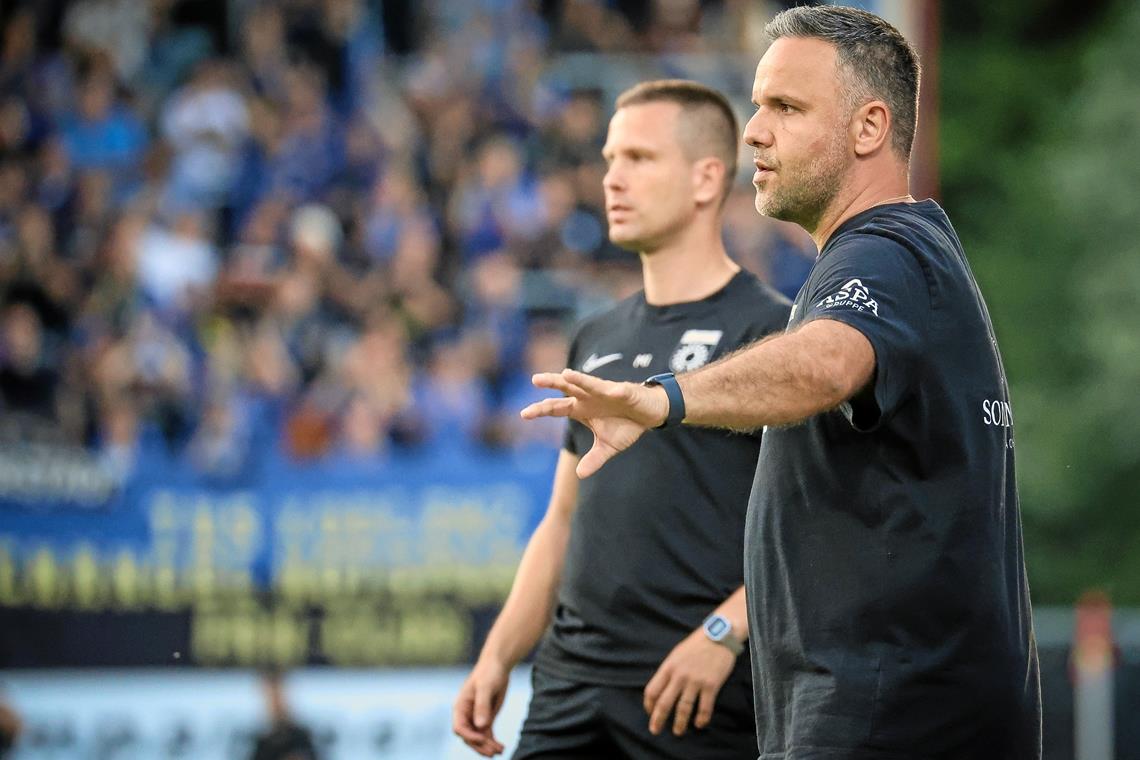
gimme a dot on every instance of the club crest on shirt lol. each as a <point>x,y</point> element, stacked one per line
<point>694,350</point>
<point>855,295</point>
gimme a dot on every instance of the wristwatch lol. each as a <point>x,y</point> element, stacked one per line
<point>676,412</point>
<point>719,630</point>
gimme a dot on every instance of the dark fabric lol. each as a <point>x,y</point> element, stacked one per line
<point>657,538</point>
<point>569,720</point>
<point>285,741</point>
<point>888,601</point>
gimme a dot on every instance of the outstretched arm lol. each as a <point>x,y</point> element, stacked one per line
<point>780,380</point>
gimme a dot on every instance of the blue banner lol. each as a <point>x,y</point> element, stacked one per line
<point>400,563</point>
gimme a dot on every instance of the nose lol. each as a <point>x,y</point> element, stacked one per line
<point>757,133</point>
<point>612,180</point>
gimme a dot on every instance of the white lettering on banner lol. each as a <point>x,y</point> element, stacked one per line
<point>854,294</point>
<point>997,413</point>
<point>641,361</point>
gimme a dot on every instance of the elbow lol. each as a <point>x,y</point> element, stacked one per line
<point>840,380</point>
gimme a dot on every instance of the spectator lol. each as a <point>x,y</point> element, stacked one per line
<point>27,378</point>
<point>290,244</point>
<point>118,446</point>
<point>176,264</point>
<point>310,153</point>
<point>102,133</point>
<point>10,728</point>
<point>451,398</point>
<point>206,123</point>
<point>285,738</point>
<point>546,351</point>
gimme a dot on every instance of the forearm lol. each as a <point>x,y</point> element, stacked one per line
<point>781,380</point>
<point>527,611</point>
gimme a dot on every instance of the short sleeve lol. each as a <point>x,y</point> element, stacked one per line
<point>876,286</point>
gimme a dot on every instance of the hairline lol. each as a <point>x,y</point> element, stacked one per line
<point>856,88</point>
<point>692,100</point>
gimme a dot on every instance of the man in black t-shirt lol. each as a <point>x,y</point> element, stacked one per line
<point>887,599</point>
<point>284,738</point>
<point>637,576</point>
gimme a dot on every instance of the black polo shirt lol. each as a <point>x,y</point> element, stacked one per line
<point>888,602</point>
<point>658,534</point>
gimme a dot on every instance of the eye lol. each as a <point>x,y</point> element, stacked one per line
<point>786,108</point>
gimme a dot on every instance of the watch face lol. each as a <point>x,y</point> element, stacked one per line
<point>717,627</point>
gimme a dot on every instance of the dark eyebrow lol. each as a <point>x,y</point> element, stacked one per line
<point>781,98</point>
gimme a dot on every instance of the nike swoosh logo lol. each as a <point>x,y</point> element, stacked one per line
<point>594,361</point>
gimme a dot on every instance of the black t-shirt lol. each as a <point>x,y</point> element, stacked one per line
<point>285,741</point>
<point>658,535</point>
<point>888,601</point>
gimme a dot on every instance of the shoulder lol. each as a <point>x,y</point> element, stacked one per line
<point>759,302</point>
<point>921,230</point>
<point>876,248</point>
<point>620,313</point>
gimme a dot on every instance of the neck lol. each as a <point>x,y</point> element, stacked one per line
<point>892,189</point>
<point>692,267</point>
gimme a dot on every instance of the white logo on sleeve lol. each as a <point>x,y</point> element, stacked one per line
<point>855,295</point>
<point>593,361</point>
<point>694,350</point>
<point>641,361</point>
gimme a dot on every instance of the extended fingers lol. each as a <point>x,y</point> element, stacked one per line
<point>556,381</point>
<point>548,407</point>
<point>592,385</point>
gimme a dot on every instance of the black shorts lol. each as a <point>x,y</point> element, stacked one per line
<point>568,720</point>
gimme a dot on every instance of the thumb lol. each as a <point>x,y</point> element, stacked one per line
<point>482,706</point>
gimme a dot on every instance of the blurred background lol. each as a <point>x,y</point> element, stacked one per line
<point>274,276</point>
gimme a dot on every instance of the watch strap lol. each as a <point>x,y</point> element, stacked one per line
<point>668,381</point>
<point>719,631</point>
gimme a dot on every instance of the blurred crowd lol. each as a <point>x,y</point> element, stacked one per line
<point>324,230</point>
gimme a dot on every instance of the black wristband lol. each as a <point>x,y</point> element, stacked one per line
<point>676,400</point>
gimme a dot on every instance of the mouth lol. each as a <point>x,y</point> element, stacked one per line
<point>617,209</point>
<point>763,171</point>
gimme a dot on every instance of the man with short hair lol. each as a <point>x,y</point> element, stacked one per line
<point>638,573</point>
<point>888,604</point>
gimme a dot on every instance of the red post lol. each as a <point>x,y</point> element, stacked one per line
<point>1093,662</point>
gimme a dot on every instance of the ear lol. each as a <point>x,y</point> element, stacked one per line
<point>870,128</point>
<point>708,180</point>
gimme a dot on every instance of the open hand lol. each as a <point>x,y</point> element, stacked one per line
<point>617,413</point>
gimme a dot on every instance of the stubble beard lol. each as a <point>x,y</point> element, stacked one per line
<point>804,193</point>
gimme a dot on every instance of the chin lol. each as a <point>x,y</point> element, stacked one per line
<point>627,243</point>
<point>623,239</point>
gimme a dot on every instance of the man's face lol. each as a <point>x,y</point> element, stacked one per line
<point>649,183</point>
<point>799,131</point>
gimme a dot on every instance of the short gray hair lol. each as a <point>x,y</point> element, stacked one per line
<point>882,64</point>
